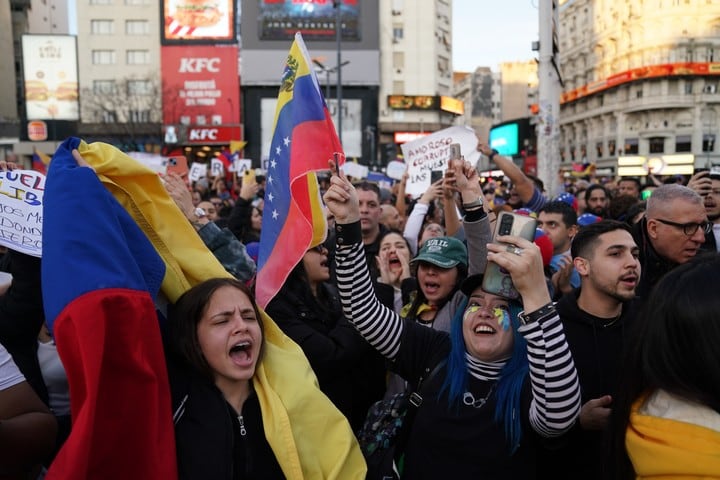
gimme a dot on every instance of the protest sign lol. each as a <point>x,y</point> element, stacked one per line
<point>395,169</point>
<point>197,171</point>
<point>216,167</point>
<point>242,164</point>
<point>355,170</point>
<point>433,152</point>
<point>21,202</point>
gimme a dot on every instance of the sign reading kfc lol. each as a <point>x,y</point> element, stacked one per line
<point>200,85</point>
<point>211,135</point>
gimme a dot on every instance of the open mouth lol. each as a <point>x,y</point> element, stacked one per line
<point>394,260</point>
<point>240,352</point>
<point>629,279</point>
<point>484,329</point>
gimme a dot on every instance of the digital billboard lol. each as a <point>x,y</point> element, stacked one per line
<point>200,85</point>
<point>505,139</point>
<point>198,21</point>
<point>50,77</point>
<point>315,19</point>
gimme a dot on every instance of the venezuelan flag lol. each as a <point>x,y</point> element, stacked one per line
<point>100,279</point>
<point>303,141</point>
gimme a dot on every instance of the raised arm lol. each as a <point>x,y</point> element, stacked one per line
<point>555,404</point>
<point>523,184</point>
<point>379,325</point>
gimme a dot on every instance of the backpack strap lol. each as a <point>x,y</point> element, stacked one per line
<point>416,398</point>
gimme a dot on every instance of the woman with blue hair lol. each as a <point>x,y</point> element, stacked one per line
<point>509,380</point>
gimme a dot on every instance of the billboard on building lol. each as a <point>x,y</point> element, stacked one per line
<point>50,77</point>
<point>315,19</point>
<point>200,85</point>
<point>198,21</point>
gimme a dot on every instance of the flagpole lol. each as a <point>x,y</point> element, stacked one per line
<point>338,39</point>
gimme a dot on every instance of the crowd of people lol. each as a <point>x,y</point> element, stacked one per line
<point>604,368</point>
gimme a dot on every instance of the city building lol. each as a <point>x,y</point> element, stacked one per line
<point>416,89</point>
<point>640,84</point>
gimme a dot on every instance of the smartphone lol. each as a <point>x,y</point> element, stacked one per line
<point>177,164</point>
<point>250,176</point>
<point>436,175</point>
<point>496,279</point>
<point>455,151</point>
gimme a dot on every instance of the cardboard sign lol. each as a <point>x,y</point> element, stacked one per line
<point>242,164</point>
<point>197,171</point>
<point>355,170</point>
<point>433,152</point>
<point>216,167</point>
<point>395,169</point>
<point>21,209</point>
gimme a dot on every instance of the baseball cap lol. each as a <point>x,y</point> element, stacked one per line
<point>443,252</point>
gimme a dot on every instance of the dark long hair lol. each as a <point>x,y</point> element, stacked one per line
<point>185,314</point>
<point>674,348</point>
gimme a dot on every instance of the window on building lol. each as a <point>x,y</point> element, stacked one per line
<point>611,147</point>
<point>101,27</point>
<point>688,88</point>
<point>103,57</point>
<point>631,146</point>
<point>657,144</point>
<point>140,116</point>
<point>683,143</point>
<point>638,93</point>
<point>137,57</point>
<point>398,32</point>
<point>139,87</point>
<point>137,27</point>
<point>709,54</point>
<point>599,149</point>
<point>708,142</point>
<point>107,116</point>
<point>689,54</point>
<point>103,86</point>
<point>399,60</point>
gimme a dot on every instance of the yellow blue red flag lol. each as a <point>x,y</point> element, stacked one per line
<point>304,139</point>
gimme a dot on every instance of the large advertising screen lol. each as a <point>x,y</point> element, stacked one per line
<point>505,139</point>
<point>315,19</point>
<point>198,21</point>
<point>200,85</point>
<point>50,77</point>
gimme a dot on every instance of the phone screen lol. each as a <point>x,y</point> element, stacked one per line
<point>455,151</point>
<point>435,175</point>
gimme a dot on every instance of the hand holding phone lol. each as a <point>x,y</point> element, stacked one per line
<point>496,279</point>
<point>249,176</point>
<point>700,182</point>
<point>177,164</point>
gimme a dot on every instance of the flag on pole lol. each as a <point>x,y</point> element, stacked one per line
<point>303,141</point>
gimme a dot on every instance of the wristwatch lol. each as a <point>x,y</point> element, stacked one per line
<point>493,152</point>
<point>542,312</point>
<point>200,213</point>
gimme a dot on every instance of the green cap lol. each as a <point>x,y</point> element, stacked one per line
<point>443,252</point>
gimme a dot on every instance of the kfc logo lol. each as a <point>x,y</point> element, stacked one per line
<point>200,134</point>
<point>198,65</point>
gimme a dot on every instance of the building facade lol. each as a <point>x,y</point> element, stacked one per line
<point>640,84</point>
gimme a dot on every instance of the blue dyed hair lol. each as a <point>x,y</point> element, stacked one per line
<point>510,383</point>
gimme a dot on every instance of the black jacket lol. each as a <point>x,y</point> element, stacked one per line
<point>597,351</point>
<point>350,372</point>
<point>653,265</point>
<point>208,440</point>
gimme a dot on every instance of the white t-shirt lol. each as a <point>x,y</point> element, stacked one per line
<point>9,373</point>
<point>54,377</point>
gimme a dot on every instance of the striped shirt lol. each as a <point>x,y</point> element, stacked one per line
<point>555,388</point>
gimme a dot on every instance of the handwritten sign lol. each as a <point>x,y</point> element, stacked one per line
<point>355,170</point>
<point>395,169</point>
<point>216,167</point>
<point>433,152</point>
<point>21,202</point>
<point>242,164</point>
<point>197,171</point>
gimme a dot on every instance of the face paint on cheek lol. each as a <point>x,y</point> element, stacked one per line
<point>503,318</point>
<point>469,311</point>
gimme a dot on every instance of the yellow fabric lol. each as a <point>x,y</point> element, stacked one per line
<point>309,436</point>
<point>237,145</point>
<point>665,448</point>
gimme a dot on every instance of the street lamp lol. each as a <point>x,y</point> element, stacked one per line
<point>338,40</point>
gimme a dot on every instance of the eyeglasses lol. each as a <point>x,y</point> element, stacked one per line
<point>688,229</point>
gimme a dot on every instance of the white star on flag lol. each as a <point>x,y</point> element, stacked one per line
<point>286,141</point>
<point>278,150</point>
<point>274,214</point>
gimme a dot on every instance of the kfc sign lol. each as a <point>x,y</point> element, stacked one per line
<point>199,65</point>
<point>210,135</point>
<point>200,85</point>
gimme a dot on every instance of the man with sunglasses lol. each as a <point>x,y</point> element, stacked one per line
<point>671,233</point>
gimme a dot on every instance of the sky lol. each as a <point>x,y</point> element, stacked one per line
<point>487,33</point>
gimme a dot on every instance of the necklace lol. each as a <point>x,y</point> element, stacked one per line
<point>470,400</point>
<point>612,322</point>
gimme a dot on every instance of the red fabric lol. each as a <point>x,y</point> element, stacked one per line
<point>110,344</point>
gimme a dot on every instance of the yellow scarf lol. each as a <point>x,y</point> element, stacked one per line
<point>664,448</point>
<point>311,439</point>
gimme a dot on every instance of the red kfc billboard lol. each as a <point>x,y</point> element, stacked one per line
<point>200,85</point>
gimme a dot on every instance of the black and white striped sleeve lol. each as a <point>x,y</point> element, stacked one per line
<point>555,387</point>
<point>379,325</point>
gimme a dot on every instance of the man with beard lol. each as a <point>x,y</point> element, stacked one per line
<point>372,229</point>
<point>597,319</point>
<point>597,200</point>
<point>671,233</point>
<point>707,185</point>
